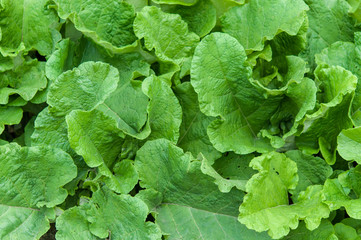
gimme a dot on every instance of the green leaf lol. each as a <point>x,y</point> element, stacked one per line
<point>92,18</point>
<point>229,171</point>
<point>348,144</point>
<point>336,196</point>
<point>243,108</point>
<point>346,55</point>
<point>328,22</point>
<point>324,231</point>
<point>25,80</point>
<point>311,170</point>
<point>95,136</point>
<point>257,21</point>
<point>25,179</point>
<point>26,223</point>
<point>180,2</point>
<point>201,17</point>
<point>174,173</point>
<point>83,88</point>
<point>166,33</point>
<point>108,215</point>
<point>182,222</point>
<point>120,217</point>
<point>73,224</point>
<point>193,130</point>
<point>27,25</point>
<point>338,87</point>
<point>266,206</point>
<point>163,109</point>
<point>10,116</point>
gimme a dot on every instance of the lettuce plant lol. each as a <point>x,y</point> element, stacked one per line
<point>180,119</point>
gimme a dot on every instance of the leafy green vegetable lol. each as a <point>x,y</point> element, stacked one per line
<point>180,119</point>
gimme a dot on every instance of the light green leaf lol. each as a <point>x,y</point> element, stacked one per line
<point>60,60</point>
<point>336,196</point>
<point>25,180</point>
<point>201,17</point>
<point>266,206</point>
<point>163,109</point>
<point>257,21</point>
<point>72,224</point>
<point>27,25</point>
<point>107,215</point>
<point>95,136</point>
<point>166,33</point>
<point>221,78</point>
<point>174,173</point>
<point>121,217</point>
<point>338,87</point>
<point>346,55</point>
<point>193,130</point>
<point>349,143</point>
<point>311,170</point>
<point>83,88</point>
<point>26,223</point>
<point>182,222</point>
<point>92,18</point>
<point>329,22</point>
<point>10,116</point>
<point>25,80</point>
<point>180,2</point>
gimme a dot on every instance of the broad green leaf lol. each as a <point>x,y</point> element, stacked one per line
<point>352,179</point>
<point>329,22</point>
<point>84,87</point>
<point>25,80</point>
<point>25,180</point>
<point>201,17</point>
<point>174,173</point>
<point>166,33</point>
<point>266,205</point>
<point>120,216</point>
<point>72,224</point>
<point>95,136</point>
<point>163,109</point>
<point>182,222</point>
<point>221,78</point>
<point>180,2</point>
<point>137,4</point>
<point>336,196</point>
<point>344,232</point>
<point>108,215</point>
<point>10,116</point>
<point>26,25</point>
<point>346,55</point>
<point>92,18</point>
<point>130,65</point>
<point>311,170</point>
<point>193,130</point>
<point>338,87</point>
<point>324,231</point>
<point>349,143</point>
<point>60,60</point>
<point>257,21</point>
<point>52,131</point>
<point>26,223</point>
